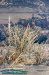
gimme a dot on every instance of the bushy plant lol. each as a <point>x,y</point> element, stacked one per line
<point>23,39</point>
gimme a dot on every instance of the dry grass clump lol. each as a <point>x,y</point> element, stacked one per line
<point>23,40</point>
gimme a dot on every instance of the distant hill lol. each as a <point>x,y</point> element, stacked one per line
<point>26,1</point>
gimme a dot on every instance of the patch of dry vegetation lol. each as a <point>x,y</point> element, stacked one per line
<point>23,39</point>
